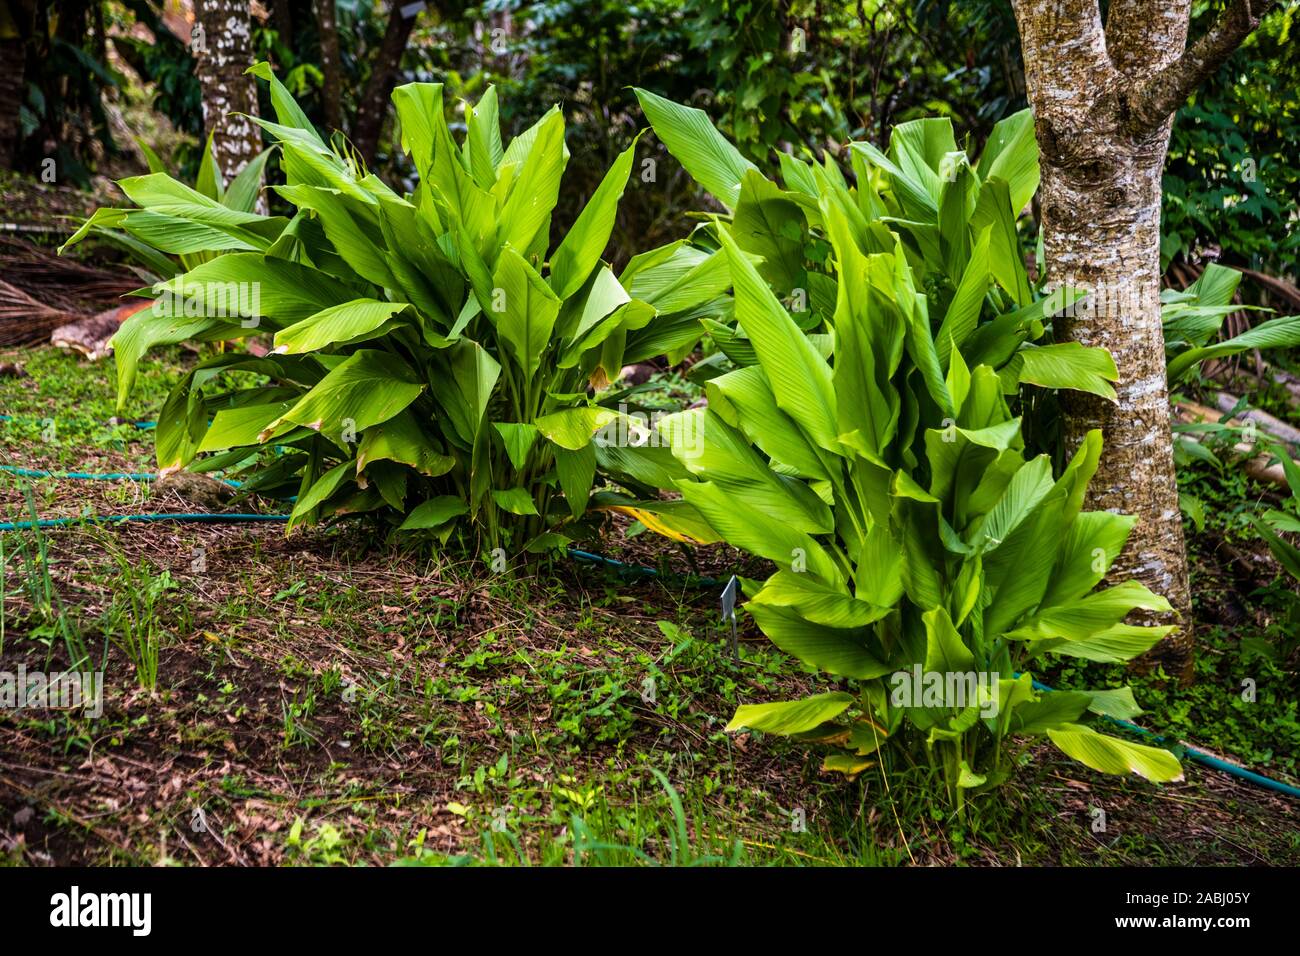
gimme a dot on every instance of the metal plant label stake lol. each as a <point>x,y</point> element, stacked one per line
<point>729,612</point>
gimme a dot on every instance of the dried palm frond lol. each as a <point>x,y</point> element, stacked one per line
<point>25,321</point>
<point>61,281</point>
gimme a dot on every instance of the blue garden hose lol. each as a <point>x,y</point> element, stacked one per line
<point>198,516</point>
<point>100,476</point>
<point>79,475</point>
<point>630,570</point>
<point>639,571</point>
<point>143,426</point>
<point>1199,756</point>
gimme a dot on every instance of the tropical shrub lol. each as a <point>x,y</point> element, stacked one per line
<point>923,555</point>
<point>434,353</point>
<point>916,542</point>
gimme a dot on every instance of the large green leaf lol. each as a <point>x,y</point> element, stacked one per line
<point>528,210</point>
<point>1273,334</point>
<point>576,470</point>
<point>1011,154</point>
<point>245,189</point>
<point>1050,712</point>
<point>685,280</point>
<point>756,531</point>
<point>518,439</point>
<point>744,397</point>
<point>463,385</point>
<point>528,309</point>
<point>1023,494</point>
<point>715,452</point>
<point>319,491</point>
<point>1067,365</point>
<point>181,426</point>
<point>769,224</point>
<point>150,327</point>
<point>403,440</point>
<point>1112,755</point>
<point>368,388</point>
<point>573,428</point>
<point>276,291</point>
<point>791,717</point>
<point>434,513</point>
<point>352,227</point>
<point>350,322</point>
<point>800,377</point>
<point>160,194</point>
<point>1082,618</point>
<point>287,110</point>
<point>517,501</point>
<point>1093,542</point>
<point>945,652</point>
<point>419,112</point>
<point>817,601</point>
<point>834,650</point>
<point>234,427</point>
<point>964,310</point>
<point>483,138</point>
<point>580,250</point>
<point>703,152</point>
<point>993,212</point>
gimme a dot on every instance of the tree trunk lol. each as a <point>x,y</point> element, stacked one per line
<point>373,105</point>
<point>13,52</point>
<point>331,86</point>
<point>282,20</point>
<point>1104,235</point>
<point>17,22</point>
<point>225,53</point>
<point>1103,101</point>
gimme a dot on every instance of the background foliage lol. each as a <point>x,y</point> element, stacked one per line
<point>787,75</point>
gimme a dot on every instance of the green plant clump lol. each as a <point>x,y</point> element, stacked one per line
<point>435,356</point>
<point>923,555</point>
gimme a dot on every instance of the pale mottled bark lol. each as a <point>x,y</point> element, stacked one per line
<point>1164,90</point>
<point>229,96</point>
<point>1103,99</point>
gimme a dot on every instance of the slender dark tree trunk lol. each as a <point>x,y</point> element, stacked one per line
<point>372,108</point>
<point>331,88</point>
<point>1103,100</point>
<point>17,23</point>
<point>13,53</point>
<point>229,95</point>
<point>282,20</point>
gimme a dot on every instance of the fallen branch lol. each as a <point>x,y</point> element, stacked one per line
<point>1279,429</point>
<point>1257,466</point>
<point>1277,287</point>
